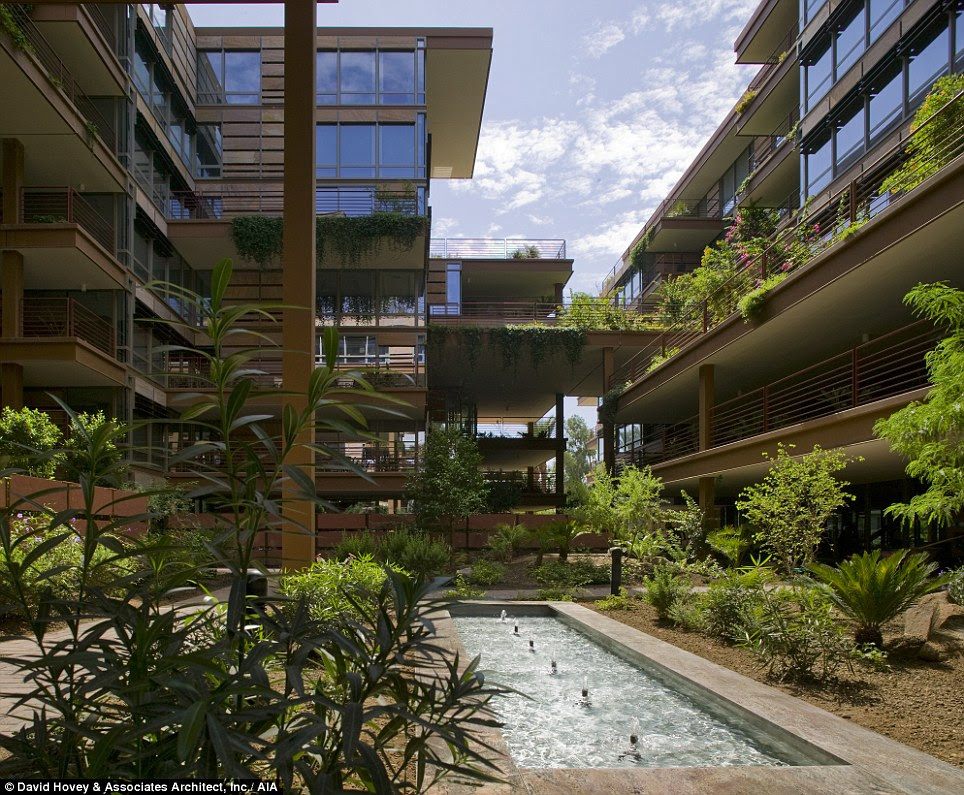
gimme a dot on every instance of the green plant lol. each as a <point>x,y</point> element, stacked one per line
<point>11,27</point>
<point>593,313</point>
<point>930,432</point>
<point>688,613</point>
<point>790,507</point>
<point>733,543</point>
<point>937,121</point>
<point>751,304</point>
<point>557,573</point>
<point>28,442</point>
<point>241,687</point>
<point>92,449</point>
<point>557,536</point>
<point>356,544</point>
<point>618,601</point>
<point>744,101</point>
<point>464,589</point>
<point>664,587</point>
<point>732,605</point>
<point>38,218</point>
<point>609,406</point>
<point>555,594</point>
<point>872,590</point>
<point>661,358</point>
<point>487,572</point>
<point>955,585</point>
<point>677,209</point>
<point>414,551</point>
<point>508,540</point>
<point>797,636</point>
<point>91,131</point>
<point>526,252</point>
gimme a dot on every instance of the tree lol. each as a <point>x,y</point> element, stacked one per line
<point>92,449</point>
<point>579,459</point>
<point>789,508</point>
<point>624,508</point>
<point>931,432</point>
<point>448,483</point>
<point>28,438</point>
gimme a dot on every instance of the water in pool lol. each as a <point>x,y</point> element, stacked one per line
<point>556,727</point>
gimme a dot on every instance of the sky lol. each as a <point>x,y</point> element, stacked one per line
<point>593,112</point>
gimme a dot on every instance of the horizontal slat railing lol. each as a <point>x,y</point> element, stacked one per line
<point>353,202</point>
<point>494,248</point>
<point>532,483</point>
<point>810,234</point>
<point>65,205</point>
<point>65,317</point>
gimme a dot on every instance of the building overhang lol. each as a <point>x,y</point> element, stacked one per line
<point>63,361</point>
<point>519,280</point>
<point>766,29</point>
<point>64,255</point>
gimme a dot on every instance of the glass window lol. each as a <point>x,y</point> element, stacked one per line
<point>453,286</point>
<point>396,78</point>
<point>849,42</point>
<point>959,39</point>
<point>928,59</point>
<point>358,77</point>
<point>142,69</point>
<point>818,77</point>
<point>326,150</point>
<point>849,137</point>
<point>818,164</point>
<point>326,77</point>
<point>209,70</point>
<point>810,7</point>
<point>880,14</point>
<point>886,100</point>
<point>357,150</point>
<point>397,150</point>
<point>242,77</point>
<point>209,150</point>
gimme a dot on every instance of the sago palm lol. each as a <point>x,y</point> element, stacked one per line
<point>872,591</point>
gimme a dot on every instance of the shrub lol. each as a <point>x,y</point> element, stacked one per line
<point>871,591</point>
<point>187,549</point>
<point>91,449</point>
<point>356,545</point>
<point>955,585</point>
<point>732,543</point>
<point>508,539</point>
<point>415,551</point>
<point>557,536</point>
<point>688,612</point>
<point>663,588</point>
<point>614,601</point>
<point>28,439</point>
<point>555,594</point>
<point>487,572</point>
<point>557,573</point>
<point>797,635</point>
<point>732,604</point>
<point>463,589</point>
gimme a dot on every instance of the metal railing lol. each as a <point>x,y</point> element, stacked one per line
<point>61,77</point>
<point>532,483</point>
<point>493,248</point>
<point>369,455</point>
<point>349,201</point>
<point>66,317</point>
<point>65,206</point>
<point>801,239</point>
<point>102,23</point>
<point>494,313</point>
<point>672,441</point>
<point>766,146</point>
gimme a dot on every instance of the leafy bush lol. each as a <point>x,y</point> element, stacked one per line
<point>331,588</point>
<point>797,636</point>
<point>508,539</point>
<point>955,585</point>
<point>665,587</point>
<point>733,603</point>
<point>555,594</point>
<point>464,589</point>
<point>415,551</point>
<point>871,591</point>
<point>186,549</point>
<point>732,543</point>
<point>356,544</point>
<point>91,449</point>
<point>557,573</point>
<point>557,536</point>
<point>688,612</point>
<point>614,601</point>
<point>28,439</point>
<point>487,572</point>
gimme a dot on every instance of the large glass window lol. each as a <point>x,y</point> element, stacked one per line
<point>959,40</point>
<point>326,150</point>
<point>232,76</point>
<point>357,155</point>
<point>209,150</point>
<point>142,68</point>
<point>886,100</point>
<point>880,14</point>
<point>358,77</point>
<point>818,165</point>
<point>849,41</point>
<point>818,75</point>
<point>808,8</point>
<point>396,154</point>
<point>928,59</point>
<point>326,77</point>
<point>849,137</point>
<point>396,78</point>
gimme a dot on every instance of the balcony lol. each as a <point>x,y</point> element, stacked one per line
<point>66,317</point>
<point>520,250</point>
<point>494,313</point>
<point>65,206</point>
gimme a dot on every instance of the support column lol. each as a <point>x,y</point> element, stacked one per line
<point>11,283</point>
<point>608,428</point>
<point>560,447</point>
<point>12,179</point>
<point>707,501</point>
<point>707,401</point>
<point>298,275</point>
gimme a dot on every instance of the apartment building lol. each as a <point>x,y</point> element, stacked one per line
<point>148,149</point>
<point>825,345</point>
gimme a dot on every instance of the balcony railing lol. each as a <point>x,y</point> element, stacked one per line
<point>349,201</point>
<point>66,317</point>
<point>494,313</point>
<point>65,206</point>
<point>671,441</point>
<point>805,236</point>
<point>61,77</point>
<point>493,248</point>
<point>530,483</point>
<point>370,456</point>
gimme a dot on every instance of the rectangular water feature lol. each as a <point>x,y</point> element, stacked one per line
<point>553,726</point>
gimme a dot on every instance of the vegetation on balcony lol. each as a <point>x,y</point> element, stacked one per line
<point>9,25</point>
<point>260,239</point>
<point>538,343</point>
<point>593,313</point>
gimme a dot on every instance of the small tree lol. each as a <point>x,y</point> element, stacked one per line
<point>626,508</point>
<point>790,507</point>
<point>28,438</point>
<point>580,457</point>
<point>448,483</point>
<point>91,449</point>
<point>931,432</point>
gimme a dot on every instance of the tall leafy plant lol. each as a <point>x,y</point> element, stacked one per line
<point>28,441</point>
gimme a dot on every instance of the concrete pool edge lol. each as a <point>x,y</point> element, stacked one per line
<point>868,762</point>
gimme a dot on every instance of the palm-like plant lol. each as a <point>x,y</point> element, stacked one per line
<point>872,591</point>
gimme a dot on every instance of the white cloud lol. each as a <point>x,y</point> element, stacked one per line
<point>601,39</point>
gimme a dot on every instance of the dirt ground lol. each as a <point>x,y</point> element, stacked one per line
<point>917,703</point>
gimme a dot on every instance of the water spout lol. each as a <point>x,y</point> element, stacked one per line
<point>532,645</point>
<point>516,630</point>
<point>503,617</point>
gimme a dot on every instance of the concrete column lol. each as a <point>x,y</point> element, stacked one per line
<point>608,428</point>
<point>11,381</point>
<point>560,447</point>
<point>707,400</point>
<point>12,179</point>
<point>707,501</point>
<point>298,288</point>
<point>11,283</point>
